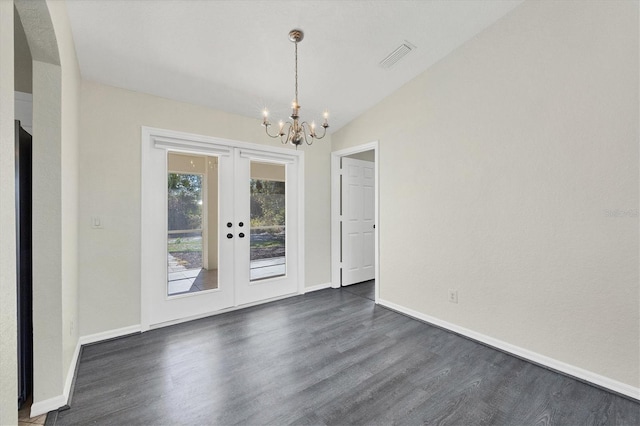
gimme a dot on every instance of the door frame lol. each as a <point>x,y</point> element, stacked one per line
<point>336,242</point>
<point>199,144</point>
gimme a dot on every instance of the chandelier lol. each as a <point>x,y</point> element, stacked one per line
<point>294,131</point>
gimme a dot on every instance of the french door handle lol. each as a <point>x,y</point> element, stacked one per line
<point>229,235</point>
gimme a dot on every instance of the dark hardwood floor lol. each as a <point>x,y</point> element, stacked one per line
<point>364,289</point>
<point>329,357</point>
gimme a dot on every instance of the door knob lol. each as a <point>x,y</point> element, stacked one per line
<point>229,235</point>
<point>229,224</point>
<point>241,235</point>
<point>241,224</point>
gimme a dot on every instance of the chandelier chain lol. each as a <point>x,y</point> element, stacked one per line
<point>296,43</point>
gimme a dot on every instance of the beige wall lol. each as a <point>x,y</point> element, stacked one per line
<point>23,67</point>
<point>110,187</point>
<point>8,369</point>
<point>47,232</point>
<point>501,171</point>
<point>70,103</point>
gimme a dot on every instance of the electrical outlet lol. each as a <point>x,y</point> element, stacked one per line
<point>453,296</point>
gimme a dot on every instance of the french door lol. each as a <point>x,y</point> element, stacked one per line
<point>220,226</point>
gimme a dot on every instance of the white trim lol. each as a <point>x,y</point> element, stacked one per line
<point>554,364</point>
<point>335,211</point>
<point>376,159</point>
<point>302,182</point>
<point>43,407</point>
<point>335,221</point>
<point>191,139</point>
<point>109,334</point>
<point>252,154</point>
<point>317,287</point>
<point>71,373</point>
<point>183,145</point>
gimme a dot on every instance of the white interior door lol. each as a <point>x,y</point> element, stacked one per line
<point>358,221</point>
<point>232,241</point>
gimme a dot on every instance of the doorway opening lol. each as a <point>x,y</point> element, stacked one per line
<point>354,217</point>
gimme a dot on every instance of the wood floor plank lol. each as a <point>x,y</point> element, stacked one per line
<point>331,357</point>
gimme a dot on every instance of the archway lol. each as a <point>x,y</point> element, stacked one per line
<point>48,335</point>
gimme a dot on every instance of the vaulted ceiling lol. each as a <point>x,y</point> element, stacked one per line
<point>236,56</point>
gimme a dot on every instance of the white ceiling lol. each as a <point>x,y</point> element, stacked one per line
<point>235,55</point>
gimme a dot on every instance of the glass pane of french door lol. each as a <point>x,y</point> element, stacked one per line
<point>268,230</point>
<point>192,208</point>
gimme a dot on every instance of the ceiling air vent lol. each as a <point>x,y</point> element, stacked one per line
<point>397,54</point>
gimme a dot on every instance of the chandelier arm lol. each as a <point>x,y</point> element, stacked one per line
<point>323,133</point>
<point>304,129</point>
<point>266,129</point>
<point>289,133</point>
<point>288,125</point>
<point>308,129</point>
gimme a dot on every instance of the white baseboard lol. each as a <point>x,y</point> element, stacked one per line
<point>554,364</point>
<point>43,407</point>
<point>317,287</point>
<point>110,334</point>
<point>72,372</point>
